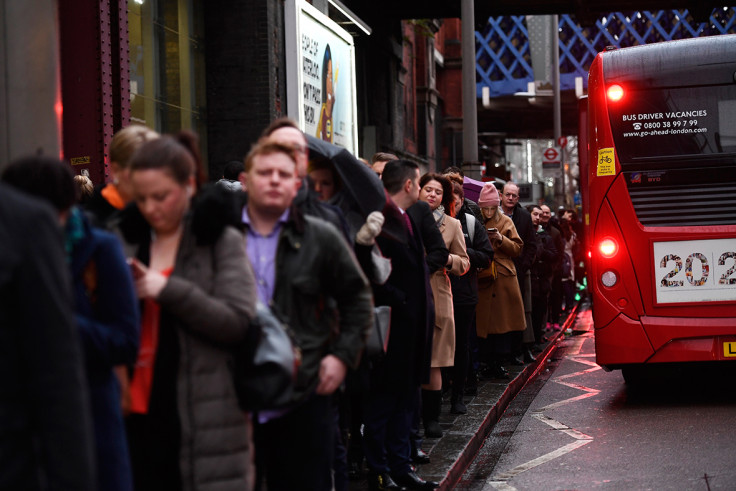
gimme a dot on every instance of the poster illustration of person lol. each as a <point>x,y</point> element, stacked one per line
<point>324,127</point>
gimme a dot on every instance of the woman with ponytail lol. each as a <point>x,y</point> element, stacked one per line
<point>197,291</point>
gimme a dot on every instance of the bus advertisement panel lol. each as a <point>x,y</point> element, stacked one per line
<point>661,202</point>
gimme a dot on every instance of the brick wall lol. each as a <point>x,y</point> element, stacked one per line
<point>245,75</point>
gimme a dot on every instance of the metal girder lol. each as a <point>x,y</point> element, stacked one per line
<point>586,11</point>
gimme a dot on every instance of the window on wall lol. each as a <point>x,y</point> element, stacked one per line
<point>167,67</point>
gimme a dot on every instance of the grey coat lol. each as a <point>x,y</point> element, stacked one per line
<point>211,295</point>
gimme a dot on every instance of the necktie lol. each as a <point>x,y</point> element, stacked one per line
<point>408,224</point>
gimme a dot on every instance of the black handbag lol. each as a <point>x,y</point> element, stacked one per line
<point>265,363</point>
<point>377,343</point>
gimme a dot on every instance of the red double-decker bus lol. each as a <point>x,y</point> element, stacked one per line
<point>661,203</point>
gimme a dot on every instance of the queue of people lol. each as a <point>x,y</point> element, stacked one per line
<point>160,284</point>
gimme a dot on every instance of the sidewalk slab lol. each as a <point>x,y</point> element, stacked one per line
<point>464,434</point>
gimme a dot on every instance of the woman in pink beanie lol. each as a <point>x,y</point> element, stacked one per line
<point>500,308</point>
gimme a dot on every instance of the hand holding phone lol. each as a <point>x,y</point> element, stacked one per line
<point>137,269</point>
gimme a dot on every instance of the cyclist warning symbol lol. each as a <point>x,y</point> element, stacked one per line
<point>606,162</point>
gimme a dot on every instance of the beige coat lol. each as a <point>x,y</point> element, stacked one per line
<point>500,307</point>
<point>443,341</point>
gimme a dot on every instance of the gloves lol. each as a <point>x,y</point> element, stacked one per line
<point>371,228</point>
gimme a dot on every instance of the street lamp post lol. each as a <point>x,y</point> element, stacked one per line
<point>471,166</point>
<point>557,101</point>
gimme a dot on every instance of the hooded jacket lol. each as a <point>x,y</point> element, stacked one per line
<point>206,307</point>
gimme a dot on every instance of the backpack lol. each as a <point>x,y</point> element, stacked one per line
<point>470,222</point>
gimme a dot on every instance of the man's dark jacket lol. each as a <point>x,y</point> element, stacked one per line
<point>314,266</point>
<point>407,360</point>
<point>525,228</point>
<point>544,265</point>
<point>480,252</point>
<point>45,425</point>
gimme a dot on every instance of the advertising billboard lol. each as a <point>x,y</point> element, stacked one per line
<point>320,75</point>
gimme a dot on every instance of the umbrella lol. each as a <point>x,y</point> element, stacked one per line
<point>472,187</point>
<point>360,182</point>
<point>362,191</point>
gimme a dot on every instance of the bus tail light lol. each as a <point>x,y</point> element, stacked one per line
<point>615,92</point>
<point>609,278</point>
<point>608,247</point>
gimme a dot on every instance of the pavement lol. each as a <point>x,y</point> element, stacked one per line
<point>463,435</point>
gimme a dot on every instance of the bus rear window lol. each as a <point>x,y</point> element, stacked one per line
<point>674,122</point>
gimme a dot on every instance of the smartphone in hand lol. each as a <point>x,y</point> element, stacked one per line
<point>137,269</point>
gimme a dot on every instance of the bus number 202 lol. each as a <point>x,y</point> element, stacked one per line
<point>725,279</point>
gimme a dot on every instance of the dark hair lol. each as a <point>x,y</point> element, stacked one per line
<point>531,207</point>
<point>454,170</point>
<point>233,169</point>
<point>457,188</point>
<point>447,200</point>
<point>383,157</point>
<point>44,177</point>
<point>178,154</point>
<point>267,147</point>
<point>325,60</point>
<point>279,123</point>
<point>396,173</point>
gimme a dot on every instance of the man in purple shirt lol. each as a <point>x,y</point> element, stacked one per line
<point>306,271</point>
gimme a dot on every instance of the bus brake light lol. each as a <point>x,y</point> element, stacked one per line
<point>608,247</point>
<point>615,93</point>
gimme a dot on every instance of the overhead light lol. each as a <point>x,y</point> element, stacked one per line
<point>349,15</point>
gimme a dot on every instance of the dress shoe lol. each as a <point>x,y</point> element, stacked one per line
<point>528,357</point>
<point>432,429</point>
<point>410,480</point>
<point>355,471</point>
<point>495,372</point>
<point>419,456</point>
<point>379,482</point>
<point>457,406</point>
<point>514,361</point>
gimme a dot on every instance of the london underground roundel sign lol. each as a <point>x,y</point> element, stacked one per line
<point>551,155</point>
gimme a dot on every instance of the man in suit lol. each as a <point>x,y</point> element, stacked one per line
<point>395,379</point>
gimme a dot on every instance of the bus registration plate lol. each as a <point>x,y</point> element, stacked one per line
<point>729,349</point>
<point>688,271</point>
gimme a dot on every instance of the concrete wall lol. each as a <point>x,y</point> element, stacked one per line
<point>29,79</point>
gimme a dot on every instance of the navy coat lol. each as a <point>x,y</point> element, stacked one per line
<point>45,435</point>
<point>406,363</point>
<point>106,311</point>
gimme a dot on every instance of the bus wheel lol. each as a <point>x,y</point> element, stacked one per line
<point>635,376</point>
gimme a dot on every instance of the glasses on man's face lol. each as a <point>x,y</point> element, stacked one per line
<point>511,195</point>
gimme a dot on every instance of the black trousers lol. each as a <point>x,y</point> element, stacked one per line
<point>539,314</point>
<point>464,315</point>
<point>295,451</point>
<point>388,420</point>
